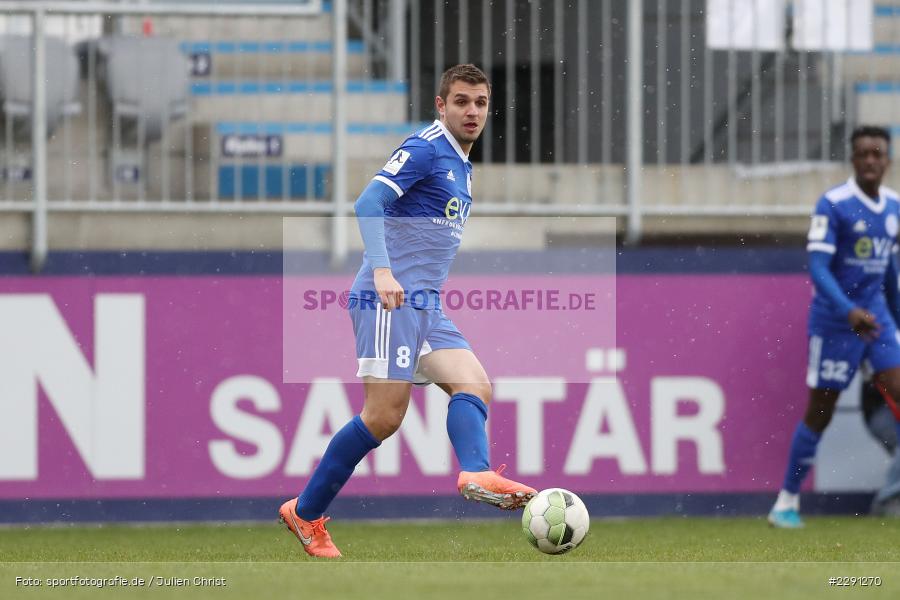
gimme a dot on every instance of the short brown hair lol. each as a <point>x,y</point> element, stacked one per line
<point>468,73</point>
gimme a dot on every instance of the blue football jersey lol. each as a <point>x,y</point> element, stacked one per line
<point>423,227</point>
<point>860,233</point>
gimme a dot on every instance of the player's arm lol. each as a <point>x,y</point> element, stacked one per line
<point>821,248</point>
<point>407,166</point>
<point>861,321</point>
<point>892,287</point>
<point>369,210</point>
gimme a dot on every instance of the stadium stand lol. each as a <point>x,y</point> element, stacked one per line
<point>257,116</point>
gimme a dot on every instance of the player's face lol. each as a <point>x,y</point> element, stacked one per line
<point>870,159</point>
<point>465,111</point>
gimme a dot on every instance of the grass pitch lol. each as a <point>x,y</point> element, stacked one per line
<point>658,558</point>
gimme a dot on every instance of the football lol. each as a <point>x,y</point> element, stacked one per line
<point>555,521</point>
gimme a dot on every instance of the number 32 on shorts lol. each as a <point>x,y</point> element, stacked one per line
<point>833,370</point>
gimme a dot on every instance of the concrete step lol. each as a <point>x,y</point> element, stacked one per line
<point>886,29</point>
<point>878,103</point>
<point>304,141</point>
<point>312,28</point>
<point>376,101</point>
<point>269,59</point>
<point>871,67</point>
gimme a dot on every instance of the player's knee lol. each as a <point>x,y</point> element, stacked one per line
<point>388,427</point>
<point>485,392</point>
<point>385,426</point>
<point>817,418</point>
<point>383,423</point>
<point>820,409</point>
<point>817,424</point>
<point>481,390</point>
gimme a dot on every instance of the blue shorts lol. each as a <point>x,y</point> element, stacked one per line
<point>390,343</point>
<point>834,355</point>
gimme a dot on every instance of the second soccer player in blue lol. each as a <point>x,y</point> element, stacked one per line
<point>855,309</point>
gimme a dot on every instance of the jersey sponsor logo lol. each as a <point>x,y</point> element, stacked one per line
<point>866,247</point>
<point>450,175</point>
<point>396,162</point>
<point>891,225</point>
<point>456,209</point>
<point>860,226</point>
<point>818,228</point>
<point>863,247</point>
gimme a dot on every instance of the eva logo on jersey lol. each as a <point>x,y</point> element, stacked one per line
<point>457,209</point>
<point>867,247</point>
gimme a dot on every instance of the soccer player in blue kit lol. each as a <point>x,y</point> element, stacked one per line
<point>855,308</point>
<point>411,217</point>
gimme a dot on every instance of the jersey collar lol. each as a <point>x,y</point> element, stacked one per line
<point>876,206</point>
<point>452,141</point>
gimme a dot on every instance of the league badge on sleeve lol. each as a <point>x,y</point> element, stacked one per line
<point>818,229</point>
<point>396,162</point>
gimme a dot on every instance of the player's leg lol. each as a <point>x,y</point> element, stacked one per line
<point>885,358</point>
<point>379,336</point>
<point>459,373</point>
<point>881,423</point>
<point>886,422</point>
<point>385,405</point>
<point>450,363</point>
<point>805,441</point>
<point>833,359</point>
<point>877,415</point>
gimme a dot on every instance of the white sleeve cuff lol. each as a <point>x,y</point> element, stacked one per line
<point>821,247</point>
<point>389,183</point>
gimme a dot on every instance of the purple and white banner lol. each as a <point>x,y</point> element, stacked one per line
<point>123,387</point>
<point>518,325</point>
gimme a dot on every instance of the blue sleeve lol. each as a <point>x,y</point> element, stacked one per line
<point>369,209</point>
<point>409,164</point>
<point>821,246</point>
<point>826,284</point>
<point>892,288</point>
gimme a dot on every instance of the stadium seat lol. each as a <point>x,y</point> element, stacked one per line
<point>16,80</point>
<point>146,80</point>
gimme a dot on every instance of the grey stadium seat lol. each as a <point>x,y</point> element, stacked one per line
<point>146,80</point>
<point>16,79</point>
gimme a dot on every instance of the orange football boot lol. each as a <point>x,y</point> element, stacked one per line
<point>312,534</point>
<point>492,488</point>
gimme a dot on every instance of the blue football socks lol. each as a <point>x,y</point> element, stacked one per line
<point>348,446</point>
<point>803,451</point>
<point>466,417</point>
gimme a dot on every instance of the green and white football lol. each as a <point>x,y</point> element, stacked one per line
<point>555,521</point>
